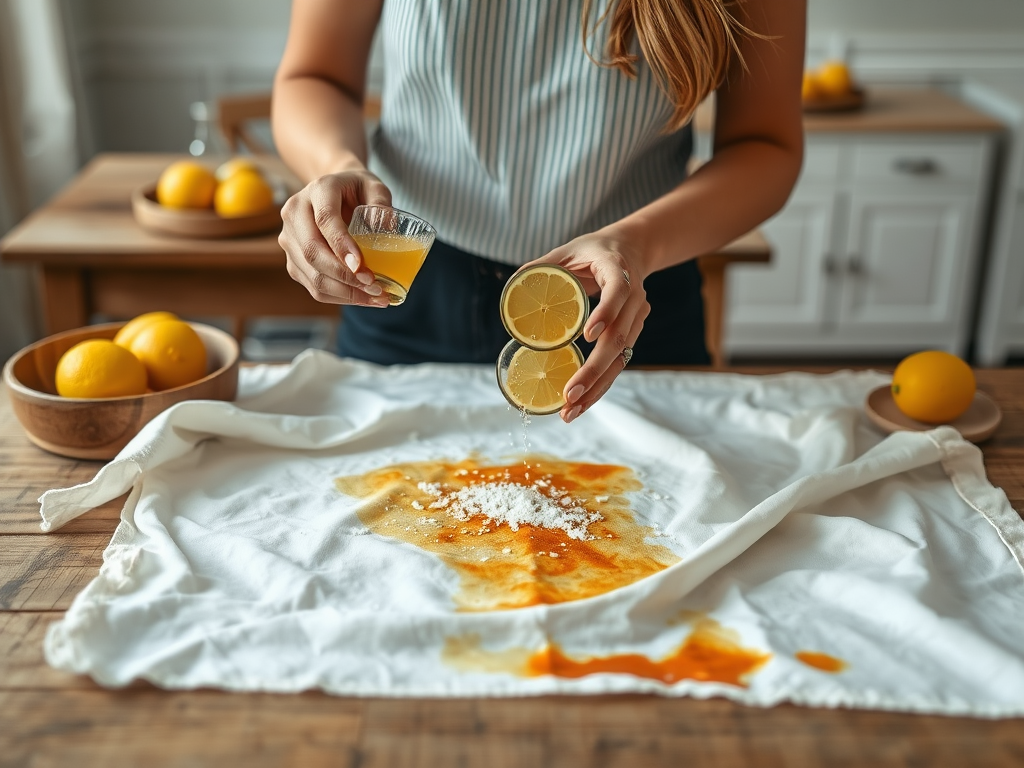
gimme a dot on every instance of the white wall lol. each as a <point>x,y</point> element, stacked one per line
<point>144,62</point>
<point>916,17</point>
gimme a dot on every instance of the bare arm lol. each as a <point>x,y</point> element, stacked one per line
<point>758,154</point>
<point>317,119</point>
<point>758,147</point>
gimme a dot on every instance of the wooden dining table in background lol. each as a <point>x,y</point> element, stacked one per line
<point>48,717</point>
<point>93,258</point>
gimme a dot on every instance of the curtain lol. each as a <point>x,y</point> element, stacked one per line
<point>39,140</point>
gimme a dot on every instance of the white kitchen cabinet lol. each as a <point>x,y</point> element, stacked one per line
<point>878,250</point>
<point>907,270</point>
<point>1001,303</point>
<point>790,294</point>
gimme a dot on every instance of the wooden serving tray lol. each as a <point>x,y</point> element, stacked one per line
<point>197,223</point>
<point>854,100</point>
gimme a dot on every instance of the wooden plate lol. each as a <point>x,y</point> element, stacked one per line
<point>200,224</point>
<point>98,428</point>
<point>846,103</point>
<point>979,422</point>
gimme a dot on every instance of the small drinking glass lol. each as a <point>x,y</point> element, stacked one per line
<point>394,245</point>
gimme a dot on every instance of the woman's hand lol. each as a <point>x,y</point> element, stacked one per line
<point>322,256</point>
<point>607,264</point>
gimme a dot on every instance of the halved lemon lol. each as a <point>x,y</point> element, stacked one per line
<point>544,307</point>
<point>533,380</point>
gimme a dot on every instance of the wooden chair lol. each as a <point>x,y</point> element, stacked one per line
<point>233,114</point>
<point>752,248</point>
<point>236,110</point>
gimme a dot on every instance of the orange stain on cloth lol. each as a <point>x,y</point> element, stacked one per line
<point>710,653</point>
<point>821,661</point>
<point>538,531</point>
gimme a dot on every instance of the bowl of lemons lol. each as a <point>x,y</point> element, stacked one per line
<point>831,88</point>
<point>930,389</point>
<point>191,199</point>
<point>86,393</point>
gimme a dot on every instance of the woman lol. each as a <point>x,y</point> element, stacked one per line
<point>520,129</point>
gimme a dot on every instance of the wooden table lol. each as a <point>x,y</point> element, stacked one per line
<point>94,258</point>
<point>53,718</point>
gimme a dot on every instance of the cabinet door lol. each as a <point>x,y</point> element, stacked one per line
<point>791,290</point>
<point>906,262</point>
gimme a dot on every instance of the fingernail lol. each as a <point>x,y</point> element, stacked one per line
<point>573,414</point>
<point>575,393</point>
<point>351,261</point>
<point>365,278</point>
<point>596,330</point>
<point>381,301</point>
<point>374,289</point>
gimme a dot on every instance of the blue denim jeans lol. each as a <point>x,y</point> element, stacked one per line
<point>451,316</point>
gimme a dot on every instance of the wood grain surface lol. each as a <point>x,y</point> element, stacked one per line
<point>889,109</point>
<point>52,718</point>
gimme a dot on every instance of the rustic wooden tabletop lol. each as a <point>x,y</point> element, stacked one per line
<point>53,718</point>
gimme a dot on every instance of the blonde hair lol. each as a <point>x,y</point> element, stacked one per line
<point>688,44</point>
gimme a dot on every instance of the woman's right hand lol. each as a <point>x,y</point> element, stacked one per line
<point>321,255</point>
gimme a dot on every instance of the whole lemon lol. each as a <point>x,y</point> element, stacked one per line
<point>229,168</point>
<point>172,353</point>
<point>99,368</point>
<point>833,79</point>
<point>245,193</point>
<point>186,184</point>
<point>131,329</point>
<point>809,89</point>
<point>934,387</point>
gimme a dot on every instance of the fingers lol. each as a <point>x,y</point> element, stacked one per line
<point>329,290</point>
<point>616,290</point>
<point>327,200</point>
<point>314,263</point>
<point>375,192</point>
<point>606,362</point>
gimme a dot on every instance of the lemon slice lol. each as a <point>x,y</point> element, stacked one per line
<point>533,380</point>
<point>544,307</point>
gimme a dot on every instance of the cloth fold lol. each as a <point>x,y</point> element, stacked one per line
<point>783,550</point>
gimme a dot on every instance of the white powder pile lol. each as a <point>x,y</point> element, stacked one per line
<point>514,505</point>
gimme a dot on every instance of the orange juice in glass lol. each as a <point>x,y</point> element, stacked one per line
<point>394,245</point>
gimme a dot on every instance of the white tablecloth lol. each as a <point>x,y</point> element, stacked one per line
<point>239,564</point>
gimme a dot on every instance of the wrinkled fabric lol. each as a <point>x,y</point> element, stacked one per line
<point>238,563</point>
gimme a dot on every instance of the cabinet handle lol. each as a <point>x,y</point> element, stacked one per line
<point>855,266</point>
<point>916,166</point>
<point>831,265</point>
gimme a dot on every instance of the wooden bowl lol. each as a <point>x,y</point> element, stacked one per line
<point>98,428</point>
<point>848,102</point>
<point>198,223</point>
<point>978,423</point>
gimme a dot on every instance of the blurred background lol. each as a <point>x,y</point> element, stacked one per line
<point>82,77</point>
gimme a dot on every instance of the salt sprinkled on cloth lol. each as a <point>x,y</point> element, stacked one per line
<point>515,505</point>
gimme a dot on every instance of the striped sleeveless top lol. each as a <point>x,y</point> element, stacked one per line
<point>497,128</point>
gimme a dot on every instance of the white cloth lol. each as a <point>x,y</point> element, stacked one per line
<point>238,564</point>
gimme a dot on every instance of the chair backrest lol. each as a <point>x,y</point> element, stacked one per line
<point>234,112</point>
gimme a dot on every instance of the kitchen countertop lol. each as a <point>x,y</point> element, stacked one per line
<point>890,109</point>
<point>54,718</point>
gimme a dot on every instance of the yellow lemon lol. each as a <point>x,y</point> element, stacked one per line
<point>131,329</point>
<point>934,387</point>
<point>833,79</point>
<point>229,168</point>
<point>172,353</point>
<point>246,193</point>
<point>544,307</point>
<point>810,90</point>
<point>536,379</point>
<point>186,184</point>
<point>99,368</point>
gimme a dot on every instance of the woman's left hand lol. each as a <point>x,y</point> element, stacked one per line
<point>605,264</point>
